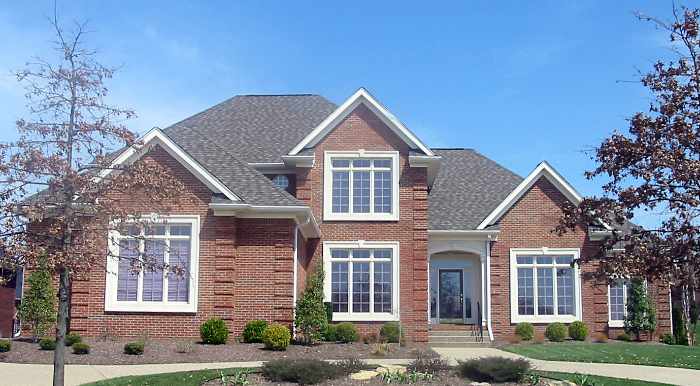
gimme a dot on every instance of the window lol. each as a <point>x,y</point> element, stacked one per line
<point>617,301</point>
<point>281,181</point>
<point>361,185</point>
<point>171,242</point>
<point>363,283</point>
<point>544,286</point>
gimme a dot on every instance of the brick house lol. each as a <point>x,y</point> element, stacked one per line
<point>278,185</point>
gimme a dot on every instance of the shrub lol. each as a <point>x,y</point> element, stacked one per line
<point>346,332</point>
<point>134,348</point>
<point>47,344</point>
<point>5,345</point>
<point>578,330</point>
<point>555,332</point>
<point>351,365</point>
<point>641,315</point>
<point>391,332</point>
<point>214,331</point>
<point>427,362</point>
<point>81,348</point>
<point>525,331</point>
<point>301,371</point>
<point>276,337</point>
<point>37,309</point>
<point>252,333</point>
<point>668,339</point>
<point>329,334</point>
<point>625,337</point>
<point>73,338</point>
<point>494,369</point>
<point>680,332</point>
<point>310,316</point>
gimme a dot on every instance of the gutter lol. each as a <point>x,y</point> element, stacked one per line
<point>303,215</point>
<point>488,287</point>
<point>465,234</point>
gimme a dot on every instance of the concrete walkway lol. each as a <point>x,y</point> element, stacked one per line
<point>669,375</point>
<point>40,375</point>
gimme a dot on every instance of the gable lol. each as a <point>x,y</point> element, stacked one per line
<point>360,98</point>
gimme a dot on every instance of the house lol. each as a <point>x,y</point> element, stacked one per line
<point>277,185</point>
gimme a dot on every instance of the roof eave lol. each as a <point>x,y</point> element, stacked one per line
<point>302,215</point>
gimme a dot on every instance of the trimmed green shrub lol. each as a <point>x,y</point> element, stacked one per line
<point>329,334</point>
<point>301,371</point>
<point>253,331</point>
<point>625,337</point>
<point>5,345</point>
<point>310,316</point>
<point>494,369</point>
<point>555,332</point>
<point>37,309</point>
<point>276,337</point>
<point>214,331</point>
<point>391,332</point>
<point>641,314</point>
<point>578,330</point>
<point>81,348</point>
<point>48,344</point>
<point>346,332</point>
<point>668,339</point>
<point>134,348</point>
<point>73,338</point>
<point>679,330</point>
<point>525,331</point>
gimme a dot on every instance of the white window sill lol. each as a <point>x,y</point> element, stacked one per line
<point>158,307</point>
<point>616,323</point>
<point>361,217</point>
<point>544,318</point>
<point>364,317</point>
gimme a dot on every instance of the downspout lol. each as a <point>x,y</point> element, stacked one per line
<point>294,292</point>
<point>488,287</point>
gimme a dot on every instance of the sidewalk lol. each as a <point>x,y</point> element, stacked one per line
<point>670,375</point>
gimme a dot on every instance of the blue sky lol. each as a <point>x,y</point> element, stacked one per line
<point>518,81</point>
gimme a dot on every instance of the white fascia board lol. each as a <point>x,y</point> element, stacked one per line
<point>468,234</point>
<point>431,162</point>
<point>303,215</point>
<point>156,136</point>
<point>299,161</point>
<point>542,170</point>
<point>361,96</point>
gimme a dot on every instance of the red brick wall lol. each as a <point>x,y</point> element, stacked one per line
<point>529,224</point>
<point>363,130</point>
<point>245,272</point>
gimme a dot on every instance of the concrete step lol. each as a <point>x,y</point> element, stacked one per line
<point>467,345</point>
<point>453,339</point>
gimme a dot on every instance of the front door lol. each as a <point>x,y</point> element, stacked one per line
<point>451,296</point>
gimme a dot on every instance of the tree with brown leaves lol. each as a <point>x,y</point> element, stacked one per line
<point>655,167</point>
<point>59,190</point>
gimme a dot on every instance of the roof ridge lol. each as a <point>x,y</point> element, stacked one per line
<point>452,148</point>
<point>274,95</point>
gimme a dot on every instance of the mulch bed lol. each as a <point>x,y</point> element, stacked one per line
<point>446,379</point>
<point>110,352</point>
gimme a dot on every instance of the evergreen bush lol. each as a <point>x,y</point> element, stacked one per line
<point>214,331</point>
<point>310,318</point>
<point>38,307</point>
<point>276,337</point>
<point>641,315</point>
<point>555,332</point>
<point>253,331</point>
<point>525,331</point>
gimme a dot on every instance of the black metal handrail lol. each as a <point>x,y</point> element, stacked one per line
<point>478,328</point>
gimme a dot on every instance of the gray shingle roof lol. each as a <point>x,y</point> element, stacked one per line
<point>467,188</point>
<point>259,128</point>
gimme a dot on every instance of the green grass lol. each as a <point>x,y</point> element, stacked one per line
<point>185,378</point>
<point>612,352</point>
<point>597,380</point>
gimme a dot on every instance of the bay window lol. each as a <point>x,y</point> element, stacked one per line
<point>545,287</point>
<point>153,268</point>
<point>362,282</point>
<point>361,185</point>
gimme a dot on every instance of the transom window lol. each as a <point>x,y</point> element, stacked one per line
<point>363,281</point>
<point>544,286</point>
<point>361,186</point>
<point>137,280</point>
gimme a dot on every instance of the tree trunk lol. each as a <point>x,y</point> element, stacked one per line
<point>61,323</point>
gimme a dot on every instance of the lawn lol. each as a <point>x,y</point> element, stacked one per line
<point>185,378</point>
<point>597,380</point>
<point>612,352</point>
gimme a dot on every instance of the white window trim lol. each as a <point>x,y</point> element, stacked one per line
<point>111,302</point>
<point>328,213</point>
<point>517,318</point>
<point>395,289</point>
<point>618,323</point>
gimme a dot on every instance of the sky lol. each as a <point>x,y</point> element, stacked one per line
<point>519,81</point>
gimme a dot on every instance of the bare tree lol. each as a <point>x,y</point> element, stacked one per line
<point>60,193</point>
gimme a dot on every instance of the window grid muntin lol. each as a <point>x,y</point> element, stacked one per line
<point>339,164</point>
<point>618,293</point>
<point>152,233</point>
<point>538,261</point>
<point>372,257</point>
